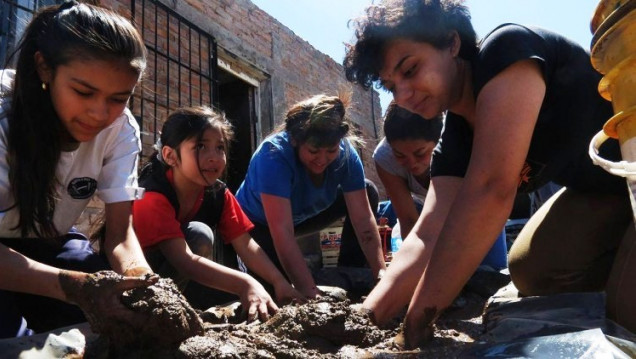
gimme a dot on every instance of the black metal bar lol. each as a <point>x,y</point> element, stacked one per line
<point>163,56</point>
<point>200,72</point>
<point>179,62</point>
<point>155,77</point>
<point>214,79</point>
<point>190,62</point>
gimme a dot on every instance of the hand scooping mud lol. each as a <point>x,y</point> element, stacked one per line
<point>416,332</point>
<point>286,294</point>
<point>257,302</point>
<point>99,295</point>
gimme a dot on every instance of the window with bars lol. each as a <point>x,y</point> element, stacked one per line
<point>16,15</point>
<point>181,66</point>
<point>182,59</point>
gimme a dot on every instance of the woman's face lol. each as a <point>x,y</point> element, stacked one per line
<point>413,155</point>
<point>89,96</point>
<point>422,78</point>
<point>316,159</point>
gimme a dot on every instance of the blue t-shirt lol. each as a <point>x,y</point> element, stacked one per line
<point>276,170</point>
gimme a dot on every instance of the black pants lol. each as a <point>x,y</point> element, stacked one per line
<point>42,314</point>
<point>351,254</point>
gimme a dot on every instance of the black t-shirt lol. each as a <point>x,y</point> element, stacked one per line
<point>571,114</point>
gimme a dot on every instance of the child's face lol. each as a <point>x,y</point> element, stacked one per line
<point>211,157</point>
<point>88,96</point>
<point>316,159</point>
<point>422,78</point>
<point>413,155</point>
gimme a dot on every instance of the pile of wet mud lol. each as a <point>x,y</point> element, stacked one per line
<point>331,326</point>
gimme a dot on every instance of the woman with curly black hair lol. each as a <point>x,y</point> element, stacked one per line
<point>522,106</point>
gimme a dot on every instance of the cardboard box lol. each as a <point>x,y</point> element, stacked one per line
<point>330,240</point>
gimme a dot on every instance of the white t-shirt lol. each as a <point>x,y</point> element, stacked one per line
<point>383,156</point>
<point>106,165</point>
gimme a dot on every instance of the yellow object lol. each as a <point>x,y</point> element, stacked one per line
<point>619,85</point>
<point>626,126</point>
<point>611,127</point>
<point>604,10</point>
<point>615,44</point>
<point>614,55</point>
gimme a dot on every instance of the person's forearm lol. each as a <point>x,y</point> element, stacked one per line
<point>121,245</point>
<point>462,245</point>
<point>214,275</point>
<point>370,243</point>
<point>292,260</point>
<point>406,225</point>
<point>21,274</point>
<point>124,253</point>
<point>394,291</point>
<point>257,260</point>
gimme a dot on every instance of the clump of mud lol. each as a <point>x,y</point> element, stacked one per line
<point>318,329</point>
<point>327,327</point>
<point>168,319</point>
<point>328,319</point>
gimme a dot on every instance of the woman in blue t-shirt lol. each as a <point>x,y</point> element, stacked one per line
<point>522,106</point>
<point>303,178</point>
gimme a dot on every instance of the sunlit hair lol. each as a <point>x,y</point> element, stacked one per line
<point>61,34</point>
<point>401,124</point>
<point>188,123</point>
<point>429,21</point>
<point>319,121</point>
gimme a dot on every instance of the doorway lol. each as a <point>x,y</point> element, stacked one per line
<point>237,100</point>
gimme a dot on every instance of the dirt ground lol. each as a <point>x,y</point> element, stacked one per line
<point>329,327</point>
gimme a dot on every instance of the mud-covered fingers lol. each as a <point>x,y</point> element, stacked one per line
<point>252,312</point>
<point>418,338</point>
<point>358,308</point>
<point>263,310</point>
<point>127,283</point>
<point>272,308</point>
<point>138,272</point>
<point>418,329</point>
<point>286,294</point>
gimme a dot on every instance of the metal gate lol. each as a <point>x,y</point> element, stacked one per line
<point>182,66</point>
<point>16,14</point>
<point>182,59</point>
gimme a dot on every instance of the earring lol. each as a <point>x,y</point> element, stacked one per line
<point>44,86</point>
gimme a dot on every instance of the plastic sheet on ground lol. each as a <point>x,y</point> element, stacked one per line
<point>590,343</point>
<point>569,325</point>
<point>59,343</point>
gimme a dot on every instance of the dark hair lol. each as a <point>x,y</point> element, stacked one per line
<point>319,121</point>
<point>61,34</point>
<point>401,124</point>
<point>430,21</point>
<point>186,123</point>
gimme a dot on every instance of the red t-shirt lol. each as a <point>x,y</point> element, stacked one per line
<point>155,220</point>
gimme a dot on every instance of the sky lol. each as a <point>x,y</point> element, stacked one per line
<point>323,23</point>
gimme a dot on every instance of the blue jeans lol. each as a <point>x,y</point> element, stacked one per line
<point>200,238</point>
<point>72,251</point>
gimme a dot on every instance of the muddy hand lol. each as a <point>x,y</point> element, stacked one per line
<point>417,331</point>
<point>258,303</point>
<point>359,309</point>
<point>286,294</point>
<point>99,295</point>
<point>138,272</point>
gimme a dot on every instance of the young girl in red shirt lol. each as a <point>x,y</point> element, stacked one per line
<point>185,201</point>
